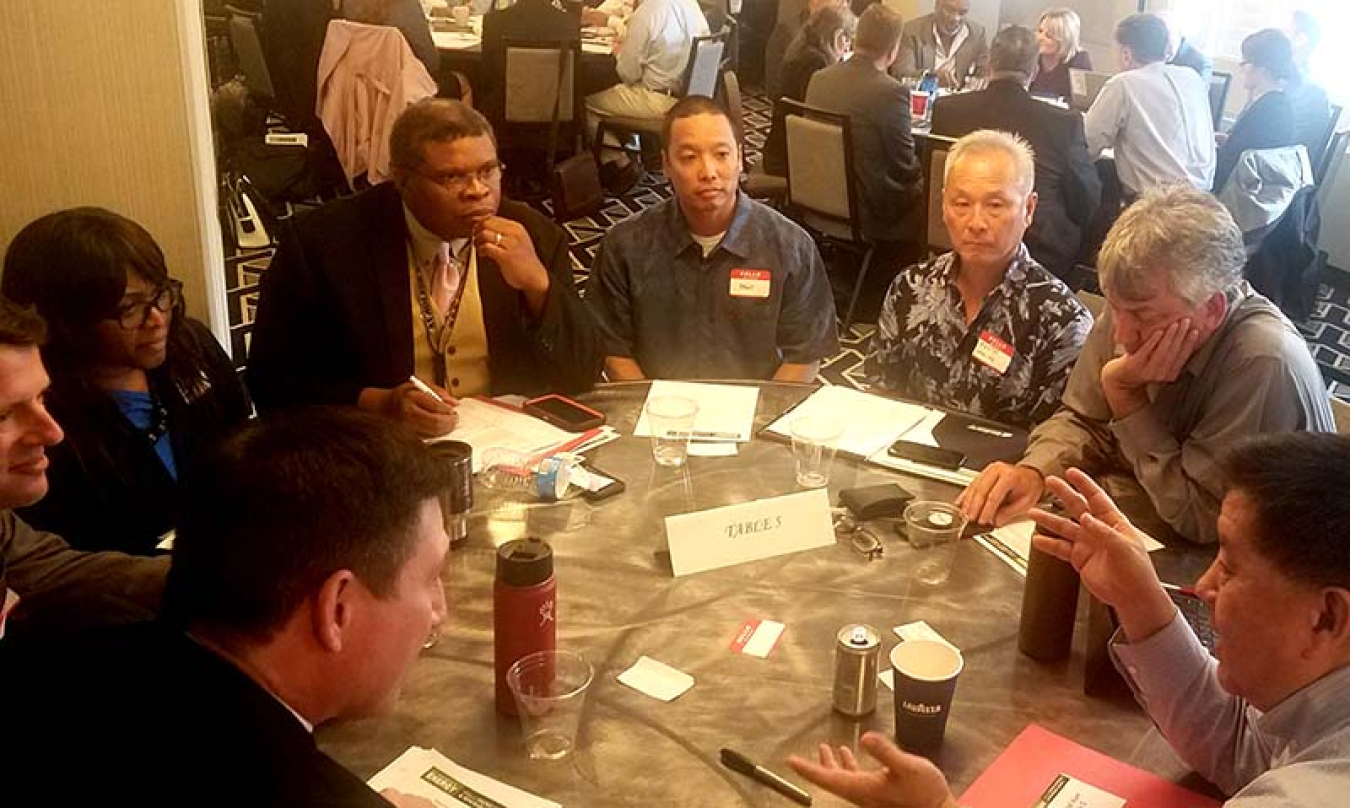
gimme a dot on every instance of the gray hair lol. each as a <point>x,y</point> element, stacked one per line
<point>433,120</point>
<point>1177,234</point>
<point>984,141</point>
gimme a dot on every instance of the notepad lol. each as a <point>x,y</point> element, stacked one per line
<point>726,412</point>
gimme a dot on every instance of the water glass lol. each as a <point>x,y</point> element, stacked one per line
<point>670,420</point>
<point>550,690</point>
<point>814,440</point>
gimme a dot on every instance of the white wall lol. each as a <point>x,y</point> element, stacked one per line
<point>107,104</point>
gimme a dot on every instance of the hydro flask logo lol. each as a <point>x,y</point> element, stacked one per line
<point>546,612</point>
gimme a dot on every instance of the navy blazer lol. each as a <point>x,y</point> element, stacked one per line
<point>154,719</point>
<point>335,311</point>
<point>1067,184</point>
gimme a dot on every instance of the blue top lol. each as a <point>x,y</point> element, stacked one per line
<point>139,409</point>
<point>759,299</point>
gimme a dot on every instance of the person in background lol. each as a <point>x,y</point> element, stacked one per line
<point>983,329</point>
<point>651,63</point>
<point>825,40</point>
<point>1265,719</point>
<point>1154,115</point>
<point>710,284</point>
<point>1267,121</point>
<point>1181,52</point>
<point>1068,189</point>
<point>433,274</point>
<point>1186,360</point>
<point>142,389</point>
<point>48,588</point>
<point>887,174</point>
<point>405,15</point>
<point>1057,37</point>
<point>305,580</point>
<point>945,42</point>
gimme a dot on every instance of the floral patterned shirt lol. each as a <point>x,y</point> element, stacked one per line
<point>1009,364</point>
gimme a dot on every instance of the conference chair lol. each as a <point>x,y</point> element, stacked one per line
<point>820,187</point>
<point>1218,95</point>
<point>1323,151</point>
<point>246,39</point>
<point>932,151</point>
<point>541,98</point>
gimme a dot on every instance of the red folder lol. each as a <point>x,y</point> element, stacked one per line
<point>1021,774</point>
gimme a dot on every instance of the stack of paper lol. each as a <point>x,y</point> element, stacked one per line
<point>871,423</point>
<point>488,425</point>
<point>1011,543</point>
<point>430,775</point>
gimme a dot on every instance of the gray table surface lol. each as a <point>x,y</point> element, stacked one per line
<point>618,601</point>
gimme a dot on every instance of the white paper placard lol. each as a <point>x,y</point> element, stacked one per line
<point>749,531</point>
<point>656,679</point>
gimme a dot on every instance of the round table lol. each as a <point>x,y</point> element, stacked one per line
<point>617,601</point>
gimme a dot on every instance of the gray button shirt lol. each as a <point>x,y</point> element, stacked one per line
<point>1297,754</point>
<point>1253,375</point>
<point>759,299</point>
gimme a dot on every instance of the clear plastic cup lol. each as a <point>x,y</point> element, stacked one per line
<point>550,691</point>
<point>814,440</point>
<point>670,420</point>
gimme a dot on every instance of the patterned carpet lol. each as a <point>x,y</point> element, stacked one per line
<point>1327,330</point>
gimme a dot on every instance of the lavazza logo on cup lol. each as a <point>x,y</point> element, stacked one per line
<point>920,708</point>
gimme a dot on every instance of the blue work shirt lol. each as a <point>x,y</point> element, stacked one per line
<point>758,300</point>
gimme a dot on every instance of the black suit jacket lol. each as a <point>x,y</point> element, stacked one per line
<point>1066,180</point>
<point>526,19</point>
<point>335,312</point>
<point>154,719</point>
<point>1266,124</point>
<point>108,488</point>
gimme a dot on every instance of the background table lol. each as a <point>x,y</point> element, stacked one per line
<point>618,601</point>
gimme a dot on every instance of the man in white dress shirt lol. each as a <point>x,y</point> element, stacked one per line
<point>1155,116</point>
<point>651,62</point>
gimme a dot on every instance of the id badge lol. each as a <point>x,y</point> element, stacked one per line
<point>993,352</point>
<point>751,283</point>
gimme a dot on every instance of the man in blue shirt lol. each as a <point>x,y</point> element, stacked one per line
<point>709,283</point>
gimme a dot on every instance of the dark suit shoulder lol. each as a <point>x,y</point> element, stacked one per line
<point>372,204</point>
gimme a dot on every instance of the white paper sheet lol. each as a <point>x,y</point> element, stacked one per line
<point>711,449</point>
<point>871,423</point>
<point>428,774</point>
<point>726,412</point>
<point>487,426</point>
<point>656,679</point>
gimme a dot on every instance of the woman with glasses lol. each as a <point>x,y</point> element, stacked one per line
<point>825,40</point>
<point>1267,121</point>
<point>140,389</point>
<point>1057,34</point>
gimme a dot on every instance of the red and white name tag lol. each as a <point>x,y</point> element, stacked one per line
<point>757,637</point>
<point>993,352</point>
<point>756,283</point>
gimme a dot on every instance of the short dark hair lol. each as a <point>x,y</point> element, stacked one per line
<point>692,105</point>
<point>1270,50</point>
<point>1145,35</point>
<point>1293,482</point>
<point>285,502</point>
<point>879,30</point>
<point>20,326</point>
<point>433,120</point>
<point>1014,50</point>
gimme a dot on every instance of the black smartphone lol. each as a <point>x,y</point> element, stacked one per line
<point>927,455</point>
<point>564,413</point>
<point>599,484</point>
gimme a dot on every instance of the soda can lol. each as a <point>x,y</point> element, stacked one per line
<point>856,651</point>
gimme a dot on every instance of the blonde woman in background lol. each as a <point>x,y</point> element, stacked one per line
<point>1057,34</point>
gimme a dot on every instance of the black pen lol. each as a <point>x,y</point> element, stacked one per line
<point>740,763</point>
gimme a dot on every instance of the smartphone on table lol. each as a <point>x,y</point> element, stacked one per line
<point>928,455</point>
<point>564,413</point>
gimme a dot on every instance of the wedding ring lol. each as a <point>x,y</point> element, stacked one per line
<point>499,240</point>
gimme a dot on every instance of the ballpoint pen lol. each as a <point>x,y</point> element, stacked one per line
<point>740,763</point>
<point>425,388</point>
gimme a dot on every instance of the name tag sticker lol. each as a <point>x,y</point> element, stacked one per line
<point>755,283</point>
<point>993,352</point>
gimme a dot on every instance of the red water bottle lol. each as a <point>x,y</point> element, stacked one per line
<point>524,609</point>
